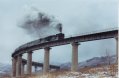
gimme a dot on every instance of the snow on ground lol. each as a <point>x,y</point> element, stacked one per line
<point>70,75</point>
<point>80,75</point>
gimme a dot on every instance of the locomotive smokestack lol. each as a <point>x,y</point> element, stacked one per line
<point>59,26</point>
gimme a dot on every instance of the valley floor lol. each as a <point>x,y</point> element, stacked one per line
<point>87,72</point>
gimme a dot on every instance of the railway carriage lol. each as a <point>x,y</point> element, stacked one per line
<point>59,36</point>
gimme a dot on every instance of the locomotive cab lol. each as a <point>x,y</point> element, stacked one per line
<point>60,36</point>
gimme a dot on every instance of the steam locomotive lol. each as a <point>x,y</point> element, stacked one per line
<point>59,36</point>
<point>52,38</point>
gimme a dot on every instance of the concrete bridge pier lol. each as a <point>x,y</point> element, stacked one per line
<point>22,68</point>
<point>117,54</point>
<point>74,66</point>
<point>14,60</point>
<point>46,60</point>
<point>29,63</point>
<point>19,62</point>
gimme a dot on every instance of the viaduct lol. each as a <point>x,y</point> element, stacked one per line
<point>18,63</point>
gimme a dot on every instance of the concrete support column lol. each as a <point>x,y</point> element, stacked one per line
<point>46,60</point>
<point>22,68</point>
<point>117,60</point>
<point>74,66</point>
<point>19,62</point>
<point>35,68</point>
<point>14,60</point>
<point>29,63</point>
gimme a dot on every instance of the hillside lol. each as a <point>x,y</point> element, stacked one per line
<point>92,62</point>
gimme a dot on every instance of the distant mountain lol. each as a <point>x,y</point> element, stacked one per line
<point>5,69</point>
<point>65,65</point>
<point>92,62</point>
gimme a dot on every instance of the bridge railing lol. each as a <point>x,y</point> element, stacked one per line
<point>96,31</point>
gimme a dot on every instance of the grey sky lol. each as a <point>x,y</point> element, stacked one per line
<point>77,16</point>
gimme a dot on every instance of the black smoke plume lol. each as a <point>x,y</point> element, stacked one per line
<point>41,25</point>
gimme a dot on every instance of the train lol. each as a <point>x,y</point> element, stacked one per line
<point>52,38</point>
<point>59,36</point>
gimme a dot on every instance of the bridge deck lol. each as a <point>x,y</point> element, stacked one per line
<point>81,38</point>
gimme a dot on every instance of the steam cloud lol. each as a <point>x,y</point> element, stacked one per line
<point>41,25</point>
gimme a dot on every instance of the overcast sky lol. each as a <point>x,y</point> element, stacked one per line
<point>77,16</point>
